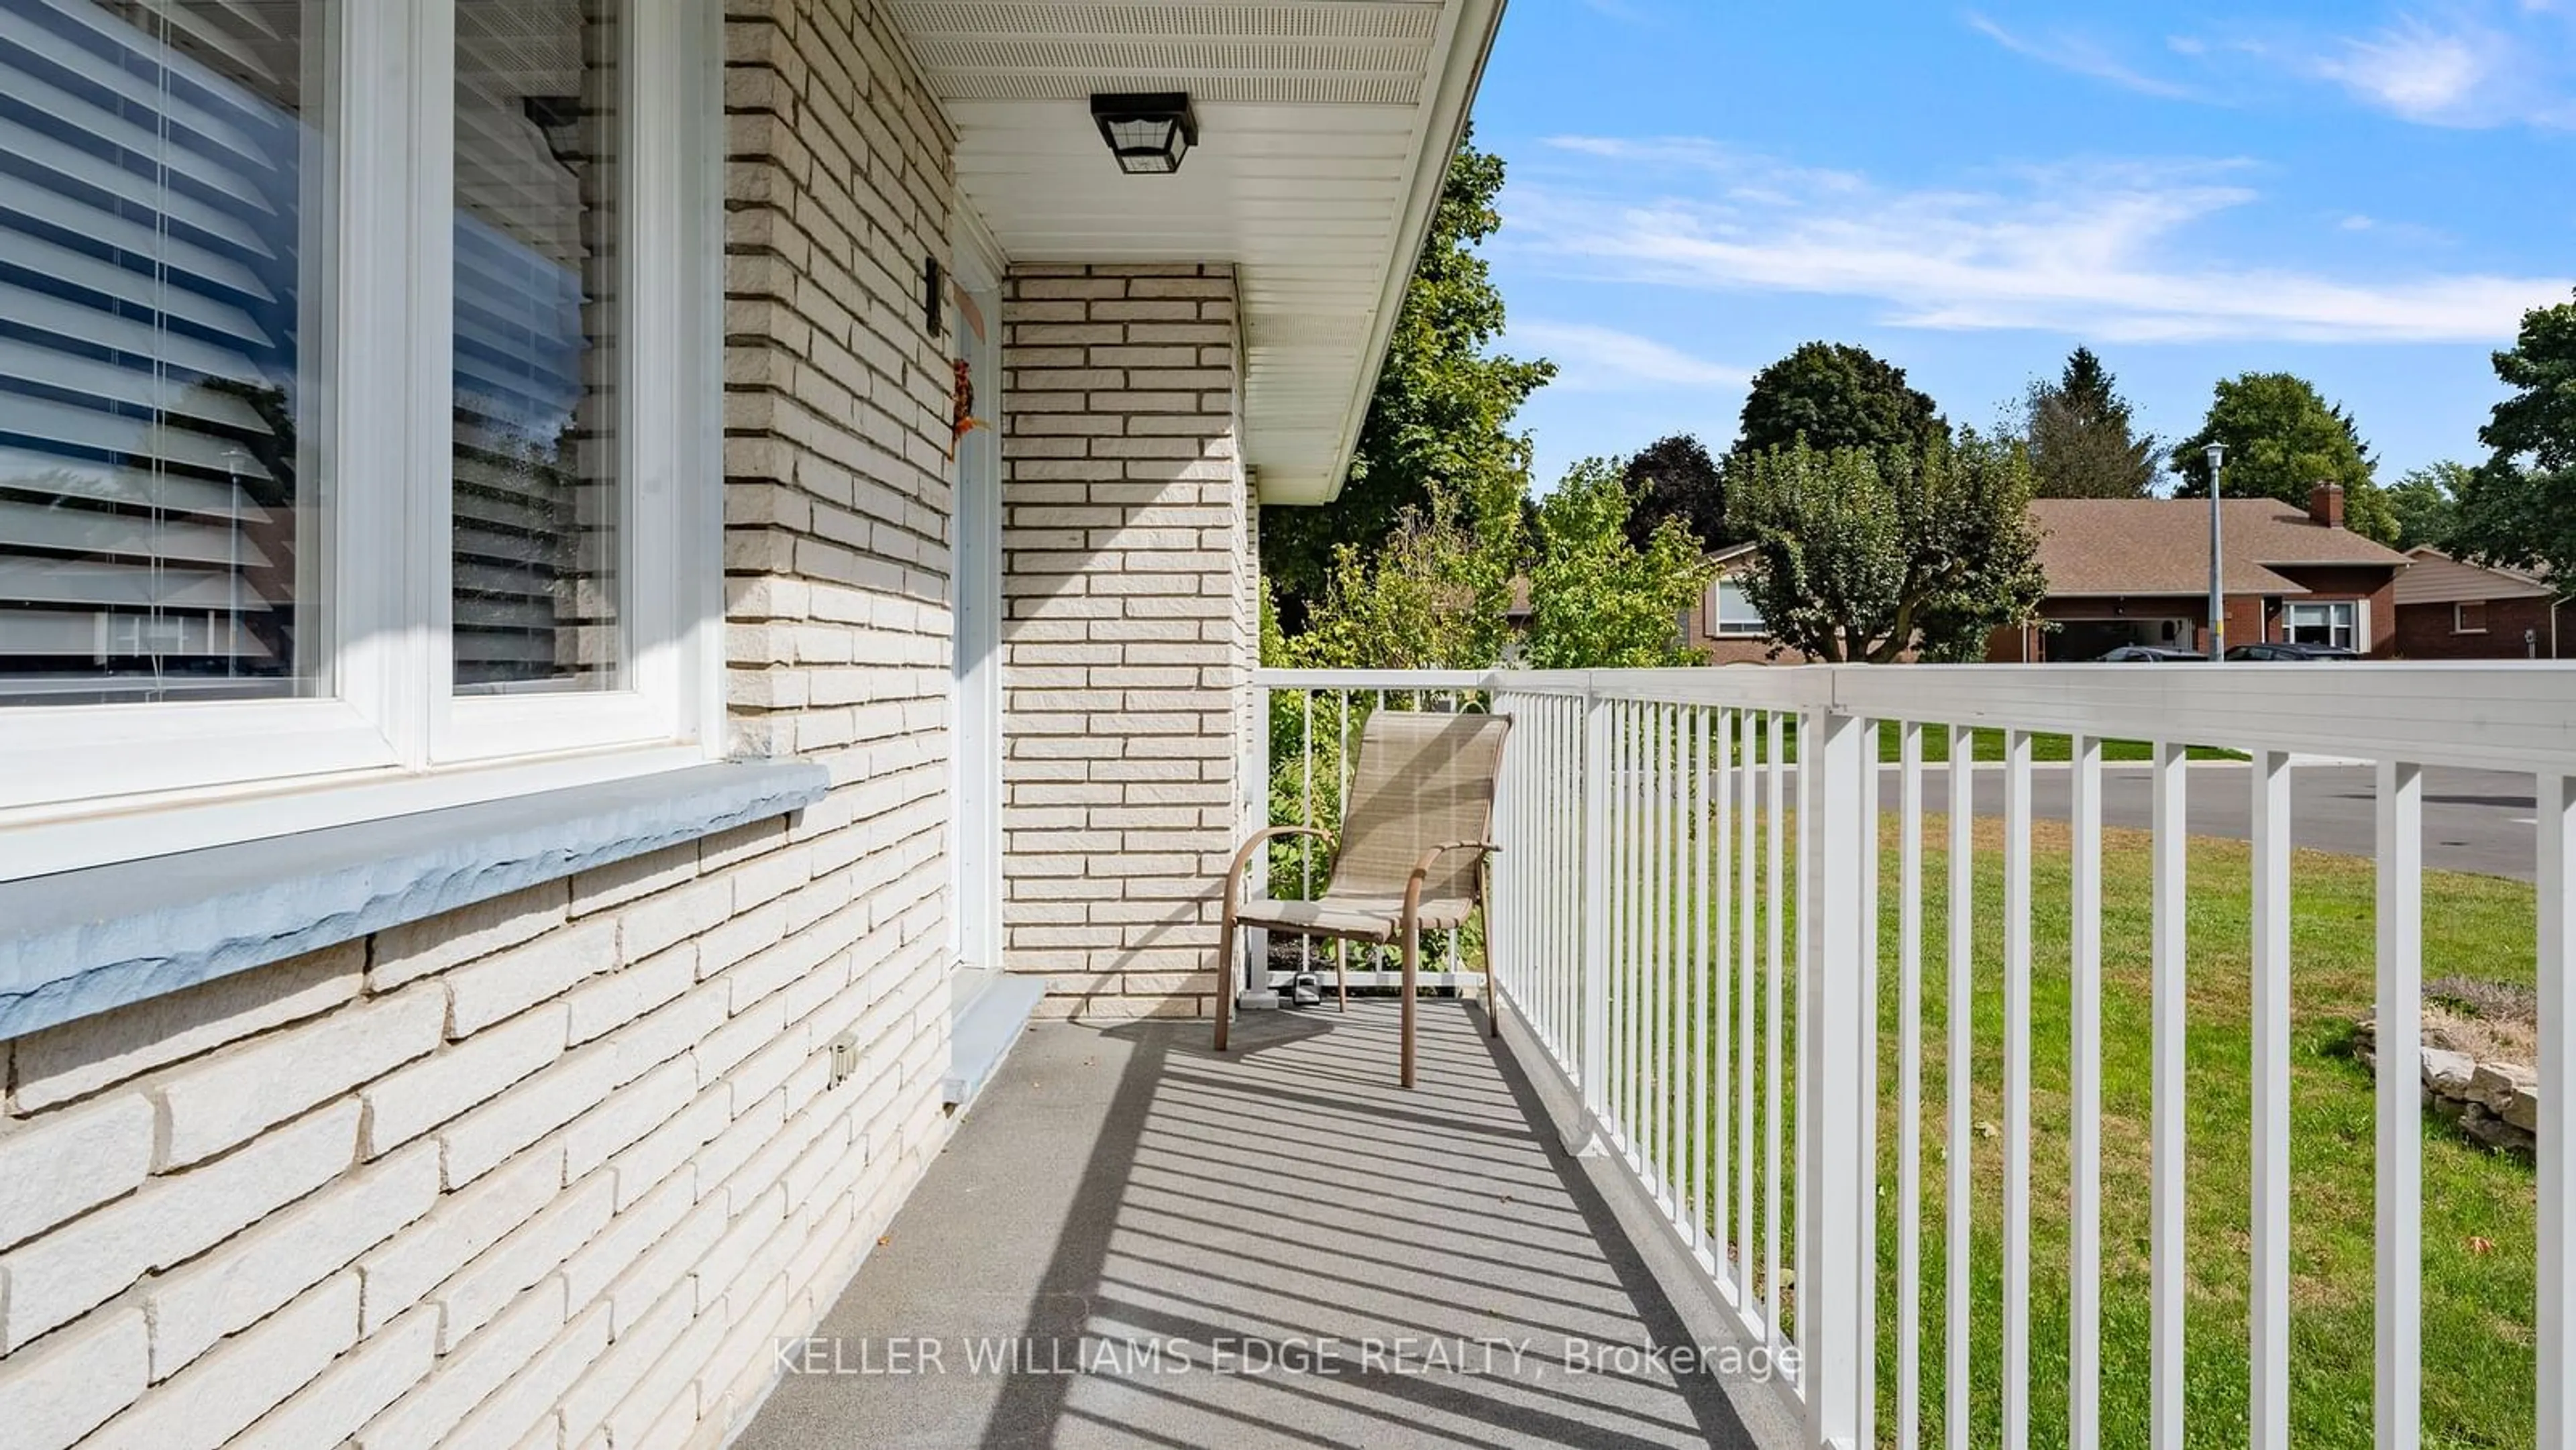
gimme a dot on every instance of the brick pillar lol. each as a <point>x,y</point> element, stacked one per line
<point>1127,631</point>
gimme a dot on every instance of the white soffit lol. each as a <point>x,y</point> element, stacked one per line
<point>1324,129</point>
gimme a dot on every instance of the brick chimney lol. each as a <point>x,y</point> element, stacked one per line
<point>2325,504</point>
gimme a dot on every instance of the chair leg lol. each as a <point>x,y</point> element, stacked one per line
<point>1412,966</point>
<point>1493,1006</point>
<point>1226,970</point>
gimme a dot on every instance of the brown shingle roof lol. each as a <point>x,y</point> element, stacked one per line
<point>2147,546</point>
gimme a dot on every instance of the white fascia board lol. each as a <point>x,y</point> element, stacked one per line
<point>1467,39</point>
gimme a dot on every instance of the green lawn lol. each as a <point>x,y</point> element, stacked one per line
<point>2478,1233</point>
<point>1989,745</point>
<point>2478,1306</point>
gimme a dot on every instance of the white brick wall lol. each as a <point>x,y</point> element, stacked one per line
<point>555,1169</point>
<point>1128,630</point>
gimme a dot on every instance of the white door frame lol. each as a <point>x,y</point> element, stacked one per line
<point>975,743</point>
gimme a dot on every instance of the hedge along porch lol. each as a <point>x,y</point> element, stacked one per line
<point>433,1045</point>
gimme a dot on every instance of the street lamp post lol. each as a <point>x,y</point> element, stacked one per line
<point>2217,591</point>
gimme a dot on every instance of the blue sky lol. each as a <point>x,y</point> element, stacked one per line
<point>2366,194</point>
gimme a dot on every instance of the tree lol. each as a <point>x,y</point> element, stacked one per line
<point>1836,396</point>
<point>2519,509</point>
<point>1442,410</point>
<point>1674,478</point>
<point>2283,440</point>
<point>2082,444</point>
<point>1861,555</point>
<point>1432,596</point>
<point>1596,600</point>
<point>2426,504</point>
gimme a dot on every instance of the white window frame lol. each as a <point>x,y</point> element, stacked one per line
<point>2459,615</point>
<point>2350,611</point>
<point>82,785</point>
<point>1717,625</point>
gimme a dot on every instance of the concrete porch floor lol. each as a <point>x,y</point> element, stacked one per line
<point>1426,1268</point>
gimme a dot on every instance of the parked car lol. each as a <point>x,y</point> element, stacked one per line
<point>2134,654</point>
<point>2284,653</point>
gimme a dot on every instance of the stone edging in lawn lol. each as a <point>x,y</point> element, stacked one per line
<point>2493,1103</point>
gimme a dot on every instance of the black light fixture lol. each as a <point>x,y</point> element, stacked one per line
<point>1149,134</point>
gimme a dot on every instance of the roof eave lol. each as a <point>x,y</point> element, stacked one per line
<point>1464,48</point>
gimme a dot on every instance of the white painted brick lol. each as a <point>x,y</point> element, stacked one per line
<point>473,1144</point>
<point>52,1396</point>
<point>623,996</point>
<point>470,1297</point>
<point>356,1386</point>
<point>667,1265</point>
<point>637,876</point>
<point>49,1280</point>
<point>434,944</point>
<point>641,1340</point>
<point>235,1385</point>
<point>526,1404</point>
<point>502,986</point>
<point>423,1417</point>
<point>771,876</point>
<point>78,1058</point>
<point>65,1162</point>
<point>658,922</point>
<point>597,1264</point>
<point>630,1113</point>
<point>464,1224</point>
<point>211,1106</point>
<point>256,1272</point>
<point>673,1145</point>
<point>665,1033</point>
<point>459,1076</point>
<point>667,1395</point>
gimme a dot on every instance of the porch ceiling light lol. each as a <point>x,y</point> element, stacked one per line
<point>1149,134</point>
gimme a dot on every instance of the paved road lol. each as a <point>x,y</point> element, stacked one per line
<point>2474,820</point>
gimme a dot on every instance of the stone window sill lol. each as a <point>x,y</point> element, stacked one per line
<point>85,941</point>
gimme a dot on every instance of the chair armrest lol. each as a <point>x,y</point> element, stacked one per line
<point>1430,858</point>
<point>1260,838</point>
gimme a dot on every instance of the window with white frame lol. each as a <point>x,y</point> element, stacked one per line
<point>1732,611</point>
<point>351,429</point>
<point>2469,616</point>
<point>2331,622</point>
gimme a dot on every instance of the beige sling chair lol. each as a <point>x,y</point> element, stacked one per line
<point>1412,853</point>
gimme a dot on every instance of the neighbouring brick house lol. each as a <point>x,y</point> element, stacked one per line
<point>2450,610</point>
<point>486,992</point>
<point>2136,571</point>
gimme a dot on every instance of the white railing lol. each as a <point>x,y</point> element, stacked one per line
<point>1690,926</point>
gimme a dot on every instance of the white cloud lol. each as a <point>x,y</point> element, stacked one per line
<point>2458,63</point>
<point>2095,249</point>
<point>2083,55</point>
<point>1602,359</point>
<point>2423,73</point>
<point>2462,63</point>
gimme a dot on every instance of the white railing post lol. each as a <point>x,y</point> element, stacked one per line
<point>1835,1304</point>
<point>2556,1303</point>
<point>1592,965</point>
<point>2397,1408</point>
<point>1252,972</point>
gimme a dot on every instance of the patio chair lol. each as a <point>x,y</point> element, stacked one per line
<point>1412,853</point>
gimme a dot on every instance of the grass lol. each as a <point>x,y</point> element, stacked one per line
<point>2478,1224</point>
<point>2479,1207</point>
<point>1989,745</point>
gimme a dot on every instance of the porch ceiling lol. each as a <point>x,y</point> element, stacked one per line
<point>1324,129</point>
